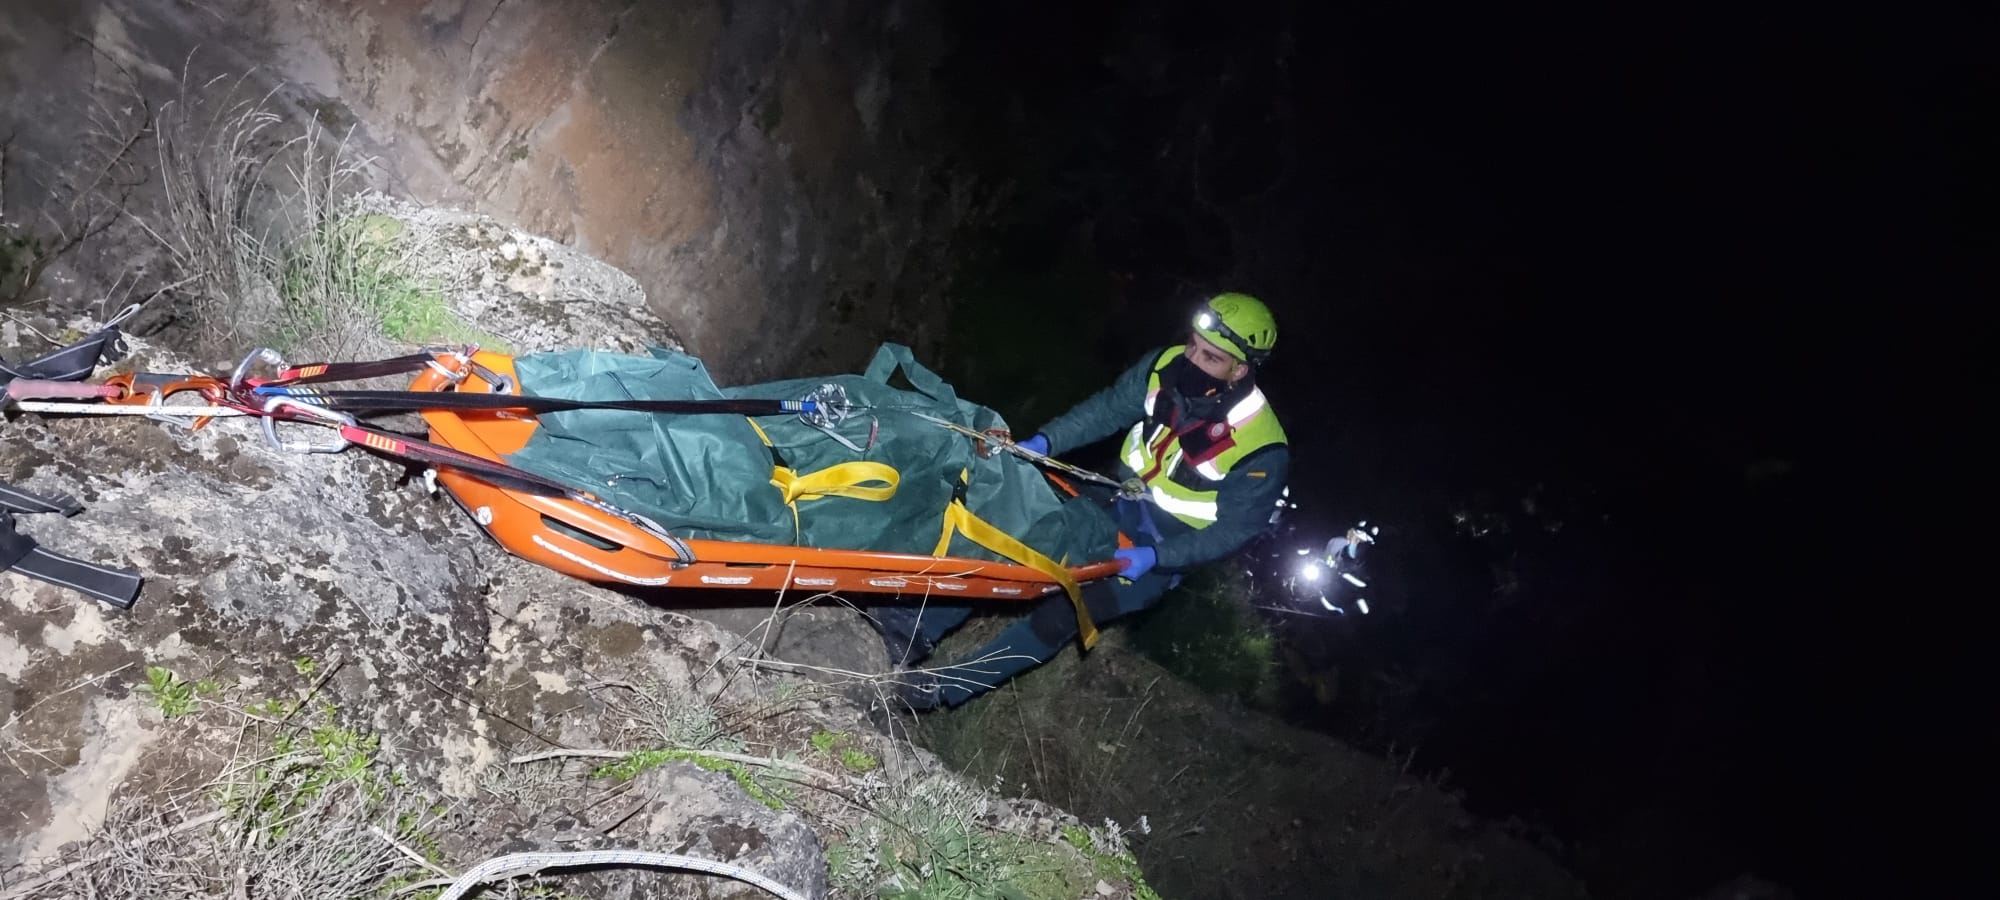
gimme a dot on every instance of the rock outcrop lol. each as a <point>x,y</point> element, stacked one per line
<point>311,619</point>
<point>771,175</point>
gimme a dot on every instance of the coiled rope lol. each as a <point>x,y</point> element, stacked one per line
<point>514,864</point>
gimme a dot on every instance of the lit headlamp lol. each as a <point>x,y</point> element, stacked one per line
<point>1207,320</point>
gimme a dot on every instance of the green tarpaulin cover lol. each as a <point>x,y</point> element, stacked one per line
<point>710,476</point>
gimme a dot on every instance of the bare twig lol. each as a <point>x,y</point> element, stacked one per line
<point>413,856</point>
<point>743,758</point>
<point>25,888</point>
<point>943,672</point>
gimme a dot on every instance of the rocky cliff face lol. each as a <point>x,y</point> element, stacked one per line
<point>325,649</point>
<point>765,171</point>
<point>333,684</point>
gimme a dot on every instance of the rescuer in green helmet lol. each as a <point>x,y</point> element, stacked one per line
<point>1205,462</point>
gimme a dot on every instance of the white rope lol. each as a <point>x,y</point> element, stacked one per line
<point>112,409</point>
<point>526,863</point>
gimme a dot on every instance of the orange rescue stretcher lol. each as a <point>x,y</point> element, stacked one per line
<point>600,546</point>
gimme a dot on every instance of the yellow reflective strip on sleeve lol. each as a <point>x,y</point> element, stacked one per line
<point>1135,448</point>
<point>1202,510</point>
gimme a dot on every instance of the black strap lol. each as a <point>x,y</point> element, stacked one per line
<point>16,500</point>
<point>404,447</point>
<point>20,553</point>
<point>353,371</point>
<point>69,363</point>
<point>404,401</point>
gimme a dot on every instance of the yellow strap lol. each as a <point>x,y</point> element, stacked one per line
<point>959,519</point>
<point>842,480</point>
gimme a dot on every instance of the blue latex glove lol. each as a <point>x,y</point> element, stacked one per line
<point>1038,443</point>
<point>1136,561</point>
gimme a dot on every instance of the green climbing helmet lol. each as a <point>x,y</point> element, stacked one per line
<point>1240,324</point>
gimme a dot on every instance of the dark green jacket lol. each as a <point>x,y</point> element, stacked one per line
<point>1246,503</point>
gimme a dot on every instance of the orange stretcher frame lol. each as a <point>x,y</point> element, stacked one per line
<point>585,543</point>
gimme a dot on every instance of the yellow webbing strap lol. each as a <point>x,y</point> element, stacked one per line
<point>958,519</point>
<point>840,480</point>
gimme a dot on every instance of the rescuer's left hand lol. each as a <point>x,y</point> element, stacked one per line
<point>1136,561</point>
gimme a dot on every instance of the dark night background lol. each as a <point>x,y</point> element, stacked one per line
<point>1658,272</point>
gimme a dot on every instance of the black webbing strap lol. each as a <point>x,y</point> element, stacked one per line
<point>418,450</point>
<point>70,363</point>
<point>353,371</point>
<point>20,553</point>
<point>15,500</point>
<point>404,401</point>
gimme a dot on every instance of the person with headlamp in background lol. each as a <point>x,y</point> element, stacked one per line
<point>1346,563</point>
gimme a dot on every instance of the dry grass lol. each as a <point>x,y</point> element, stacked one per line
<point>91,187</point>
<point>302,809</point>
<point>262,220</point>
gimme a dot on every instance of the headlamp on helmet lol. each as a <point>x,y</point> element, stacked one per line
<point>1239,324</point>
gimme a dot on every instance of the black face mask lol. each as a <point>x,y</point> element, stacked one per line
<point>1194,384</point>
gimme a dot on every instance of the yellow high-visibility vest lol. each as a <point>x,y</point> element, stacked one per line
<point>1185,486</point>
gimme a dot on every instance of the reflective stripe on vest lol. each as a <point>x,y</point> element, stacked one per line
<point>1154,456</point>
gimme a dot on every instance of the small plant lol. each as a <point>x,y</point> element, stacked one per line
<point>655,715</point>
<point>1106,848</point>
<point>273,708</point>
<point>633,764</point>
<point>305,665</point>
<point>840,745</point>
<point>857,761</point>
<point>174,697</point>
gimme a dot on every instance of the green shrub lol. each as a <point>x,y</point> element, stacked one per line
<point>352,277</point>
